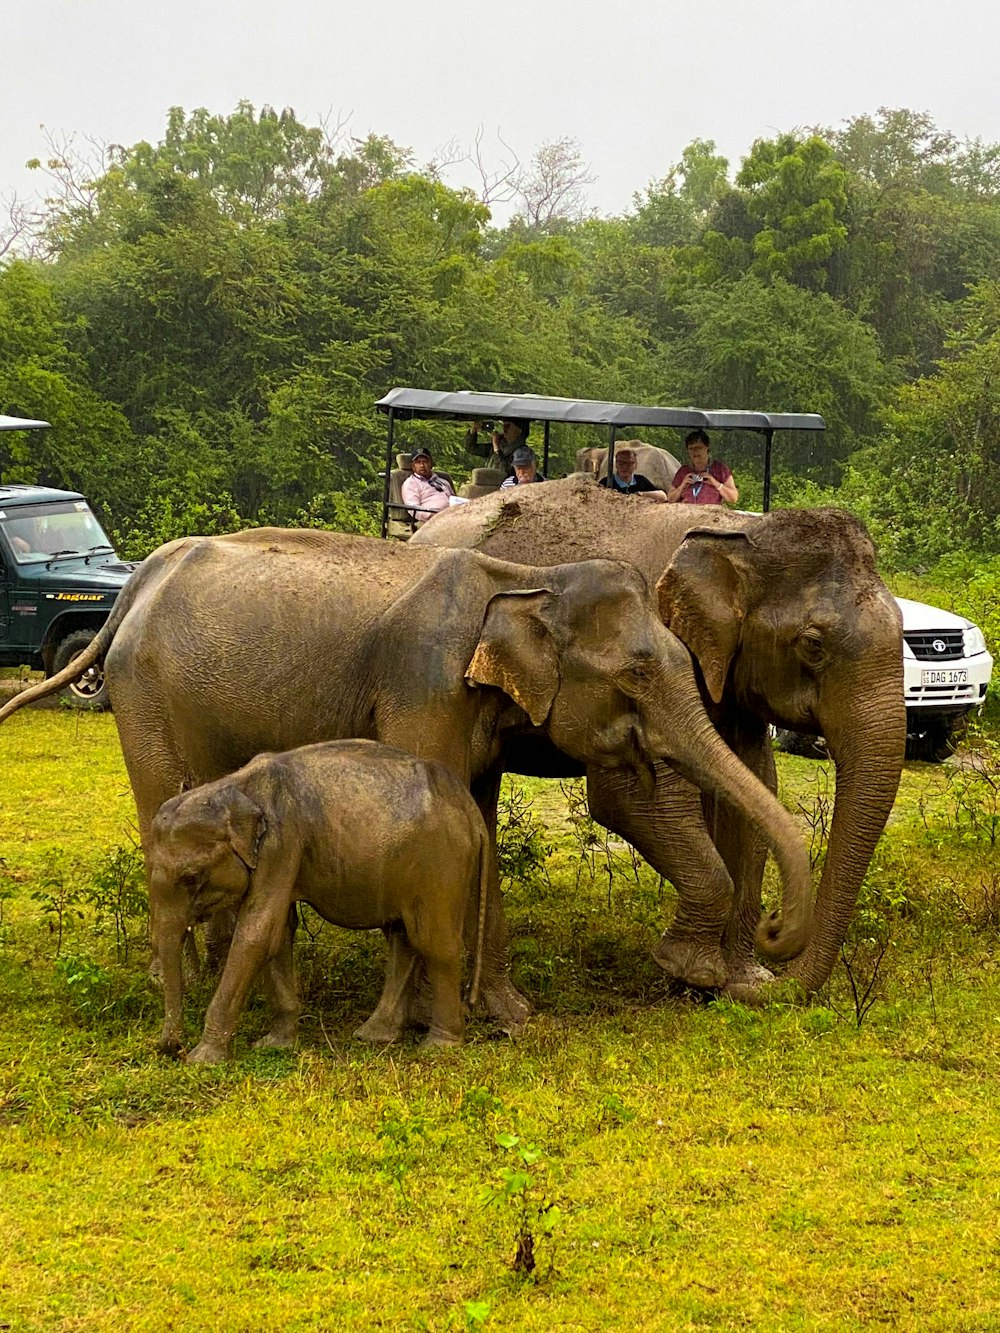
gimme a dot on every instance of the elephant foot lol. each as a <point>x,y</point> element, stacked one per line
<point>505,1005</point>
<point>171,1046</point>
<point>207,1053</point>
<point>379,1031</point>
<point>748,982</point>
<point>276,1040</point>
<point>439,1040</point>
<point>693,962</point>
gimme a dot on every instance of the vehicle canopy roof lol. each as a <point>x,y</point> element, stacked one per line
<point>414,404</point>
<point>15,494</point>
<point>406,404</point>
<point>22,423</point>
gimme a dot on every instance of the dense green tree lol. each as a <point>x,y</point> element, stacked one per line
<point>41,377</point>
<point>770,345</point>
<point>216,313</point>
<point>797,193</point>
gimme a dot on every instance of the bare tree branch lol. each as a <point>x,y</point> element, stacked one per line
<point>495,185</point>
<point>73,172</point>
<point>336,133</point>
<point>554,188</point>
<point>16,231</point>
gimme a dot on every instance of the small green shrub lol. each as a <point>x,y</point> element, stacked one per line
<point>521,1193</point>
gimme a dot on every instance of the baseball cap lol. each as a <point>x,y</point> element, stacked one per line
<point>422,452</point>
<point>523,456</point>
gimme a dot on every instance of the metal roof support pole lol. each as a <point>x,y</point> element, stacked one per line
<point>545,448</point>
<point>611,452</point>
<point>768,442</point>
<point>388,469</point>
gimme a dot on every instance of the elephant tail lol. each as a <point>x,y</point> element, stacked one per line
<point>154,568</point>
<point>487,885</point>
<point>94,652</point>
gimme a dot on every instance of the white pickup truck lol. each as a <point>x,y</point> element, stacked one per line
<point>946,672</point>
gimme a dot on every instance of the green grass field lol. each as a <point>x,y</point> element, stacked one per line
<point>666,1164</point>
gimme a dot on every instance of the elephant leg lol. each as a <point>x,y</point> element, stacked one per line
<point>434,932</point>
<point>497,993</point>
<point>259,936</point>
<point>744,851</point>
<point>151,786</point>
<point>389,1020</point>
<point>282,992</point>
<point>444,974</point>
<point>668,829</point>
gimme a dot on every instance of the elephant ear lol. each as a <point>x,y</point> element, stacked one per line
<point>702,599</point>
<point>517,653</point>
<point>245,825</point>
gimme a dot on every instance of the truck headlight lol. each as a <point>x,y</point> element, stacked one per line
<point>973,641</point>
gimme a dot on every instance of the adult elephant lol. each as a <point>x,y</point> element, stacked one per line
<point>222,647</point>
<point>790,625</point>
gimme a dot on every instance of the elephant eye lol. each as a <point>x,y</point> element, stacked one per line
<point>812,649</point>
<point>638,674</point>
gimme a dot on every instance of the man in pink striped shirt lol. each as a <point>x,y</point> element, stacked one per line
<point>424,491</point>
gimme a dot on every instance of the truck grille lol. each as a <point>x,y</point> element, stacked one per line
<point>943,694</point>
<point>936,645</point>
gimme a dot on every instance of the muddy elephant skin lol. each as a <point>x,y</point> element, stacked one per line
<point>791,626</point>
<point>367,834</point>
<point>220,648</point>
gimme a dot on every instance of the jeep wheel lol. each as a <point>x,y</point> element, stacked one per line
<point>90,690</point>
<point>938,740</point>
<point>795,742</point>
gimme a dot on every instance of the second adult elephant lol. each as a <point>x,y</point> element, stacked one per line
<point>220,648</point>
<point>791,626</point>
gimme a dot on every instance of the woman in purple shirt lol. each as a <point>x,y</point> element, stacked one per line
<point>701,482</point>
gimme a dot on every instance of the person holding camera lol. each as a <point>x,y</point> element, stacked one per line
<point>700,482</point>
<point>506,437</point>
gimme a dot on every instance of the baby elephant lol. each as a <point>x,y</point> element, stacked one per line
<point>367,834</point>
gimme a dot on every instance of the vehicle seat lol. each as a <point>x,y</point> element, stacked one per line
<point>483,481</point>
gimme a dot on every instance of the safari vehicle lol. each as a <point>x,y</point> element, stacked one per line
<point>59,577</point>
<point>946,666</point>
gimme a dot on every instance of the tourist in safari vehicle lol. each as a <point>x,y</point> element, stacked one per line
<point>700,482</point>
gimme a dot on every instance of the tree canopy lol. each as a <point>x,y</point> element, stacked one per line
<point>207,320</point>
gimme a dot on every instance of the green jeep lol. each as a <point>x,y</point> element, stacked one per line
<point>59,577</point>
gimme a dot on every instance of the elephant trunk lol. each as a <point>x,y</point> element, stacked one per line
<point>700,754</point>
<point>168,931</point>
<point>868,753</point>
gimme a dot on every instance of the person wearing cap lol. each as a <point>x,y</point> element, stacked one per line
<point>626,481</point>
<point>525,466</point>
<point>423,491</point>
<point>511,436</point>
<point>700,482</point>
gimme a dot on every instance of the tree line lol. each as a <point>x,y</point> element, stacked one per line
<point>208,320</point>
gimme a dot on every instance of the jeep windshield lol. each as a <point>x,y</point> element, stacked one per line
<point>57,530</point>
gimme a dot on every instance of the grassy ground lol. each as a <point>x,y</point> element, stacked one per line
<point>676,1165</point>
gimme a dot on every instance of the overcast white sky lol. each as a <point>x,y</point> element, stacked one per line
<point>632,80</point>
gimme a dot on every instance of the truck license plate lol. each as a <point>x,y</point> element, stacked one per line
<point>945,676</point>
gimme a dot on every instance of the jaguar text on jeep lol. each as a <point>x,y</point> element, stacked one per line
<point>59,577</point>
